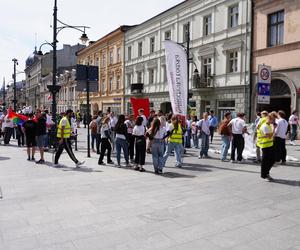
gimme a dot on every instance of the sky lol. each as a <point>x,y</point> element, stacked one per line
<point>24,23</point>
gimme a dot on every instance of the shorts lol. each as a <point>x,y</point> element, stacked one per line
<point>30,141</point>
<point>40,140</point>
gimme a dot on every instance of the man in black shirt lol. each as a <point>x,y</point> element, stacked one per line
<point>30,128</point>
<point>41,133</point>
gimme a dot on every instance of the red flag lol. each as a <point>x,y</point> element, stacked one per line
<point>140,104</point>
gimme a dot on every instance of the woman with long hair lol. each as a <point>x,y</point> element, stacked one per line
<point>130,125</point>
<point>121,140</point>
<point>175,142</point>
<point>140,144</point>
<point>156,134</point>
<point>105,141</point>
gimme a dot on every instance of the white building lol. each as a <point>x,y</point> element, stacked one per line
<point>219,47</point>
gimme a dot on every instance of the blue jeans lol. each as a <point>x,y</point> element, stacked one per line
<point>204,144</point>
<point>294,132</point>
<point>94,140</point>
<point>158,147</point>
<point>178,149</point>
<point>187,139</point>
<point>225,146</point>
<point>122,144</point>
<point>195,140</point>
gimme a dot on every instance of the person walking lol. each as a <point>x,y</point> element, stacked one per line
<point>30,129</point>
<point>113,122</point>
<point>266,144</point>
<point>105,142</point>
<point>130,125</point>
<point>99,124</point>
<point>238,127</point>
<point>194,131</point>
<point>140,144</point>
<point>280,137</point>
<point>204,130</point>
<point>41,131</point>
<point>121,140</point>
<point>93,128</point>
<point>213,123</point>
<point>20,135</point>
<point>225,132</point>
<point>188,133</point>
<point>294,122</point>
<point>156,134</point>
<point>63,135</point>
<point>8,128</point>
<point>175,135</point>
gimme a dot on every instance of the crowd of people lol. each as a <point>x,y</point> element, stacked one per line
<point>159,134</point>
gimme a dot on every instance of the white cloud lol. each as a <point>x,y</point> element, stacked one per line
<point>21,19</point>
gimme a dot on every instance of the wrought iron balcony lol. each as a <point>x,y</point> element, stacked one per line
<point>137,88</point>
<point>202,81</point>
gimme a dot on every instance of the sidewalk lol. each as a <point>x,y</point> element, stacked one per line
<point>207,204</point>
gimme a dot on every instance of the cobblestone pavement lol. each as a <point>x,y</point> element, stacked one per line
<point>205,205</point>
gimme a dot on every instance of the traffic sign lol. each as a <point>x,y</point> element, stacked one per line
<point>264,84</point>
<point>264,74</point>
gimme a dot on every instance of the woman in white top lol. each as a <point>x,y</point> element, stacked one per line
<point>105,141</point>
<point>140,144</point>
<point>157,134</point>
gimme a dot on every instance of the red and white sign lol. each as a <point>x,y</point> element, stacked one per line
<point>264,74</point>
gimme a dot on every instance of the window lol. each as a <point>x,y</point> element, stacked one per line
<point>110,84</point>
<point>118,83</point>
<point>207,68</point>
<point>103,60</point>
<point>152,44</point>
<point>151,76</point>
<point>168,35</point>
<point>275,28</point>
<point>111,57</point>
<point>128,79</point>
<point>207,25</point>
<point>129,53</point>
<point>186,31</point>
<point>103,89</point>
<point>233,16</point>
<point>140,49</point>
<point>118,54</point>
<point>233,61</point>
<point>139,77</point>
<point>97,61</point>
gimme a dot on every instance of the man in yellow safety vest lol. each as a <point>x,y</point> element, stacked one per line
<point>265,142</point>
<point>63,135</point>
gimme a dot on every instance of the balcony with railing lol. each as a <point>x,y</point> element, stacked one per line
<point>202,81</point>
<point>137,88</point>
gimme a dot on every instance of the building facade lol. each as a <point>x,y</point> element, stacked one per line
<point>107,54</point>
<point>276,42</point>
<point>219,33</point>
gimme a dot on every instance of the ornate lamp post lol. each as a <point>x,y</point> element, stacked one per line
<point>54,88</point>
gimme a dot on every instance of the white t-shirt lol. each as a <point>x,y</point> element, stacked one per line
<point>139,130</point>
<point>8,122</point>
<point>265,129</point>
<point>237,125</point>
<point>282,126</point>
<point>160,133</point>
<point>203,125</point>
<point>104,127</point>
<point>293,120</point>
<point>113,121</point>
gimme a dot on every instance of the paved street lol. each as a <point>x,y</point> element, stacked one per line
<point>205,205</point>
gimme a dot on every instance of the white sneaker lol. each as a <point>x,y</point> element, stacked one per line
<point>57,165</point>
<point>232,161</point>
<point>269,178</point>
<point>78,164</point>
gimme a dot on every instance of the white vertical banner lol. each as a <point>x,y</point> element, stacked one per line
<point>176,69</point>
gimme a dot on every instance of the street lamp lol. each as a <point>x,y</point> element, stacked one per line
<point>54,88</point>
<point>15,89</point>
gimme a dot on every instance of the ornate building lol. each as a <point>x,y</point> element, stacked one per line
<point>276,42</point>
<point>107,54</point>
<point>219,33</point>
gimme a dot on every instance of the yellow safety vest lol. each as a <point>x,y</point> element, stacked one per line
<point>67,129</point>
<point>176,136</point>
<point>258,132</point>
<point>265,142</point>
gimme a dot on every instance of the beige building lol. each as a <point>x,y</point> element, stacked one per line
<point>108,54</point>
<point>276,42</point>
